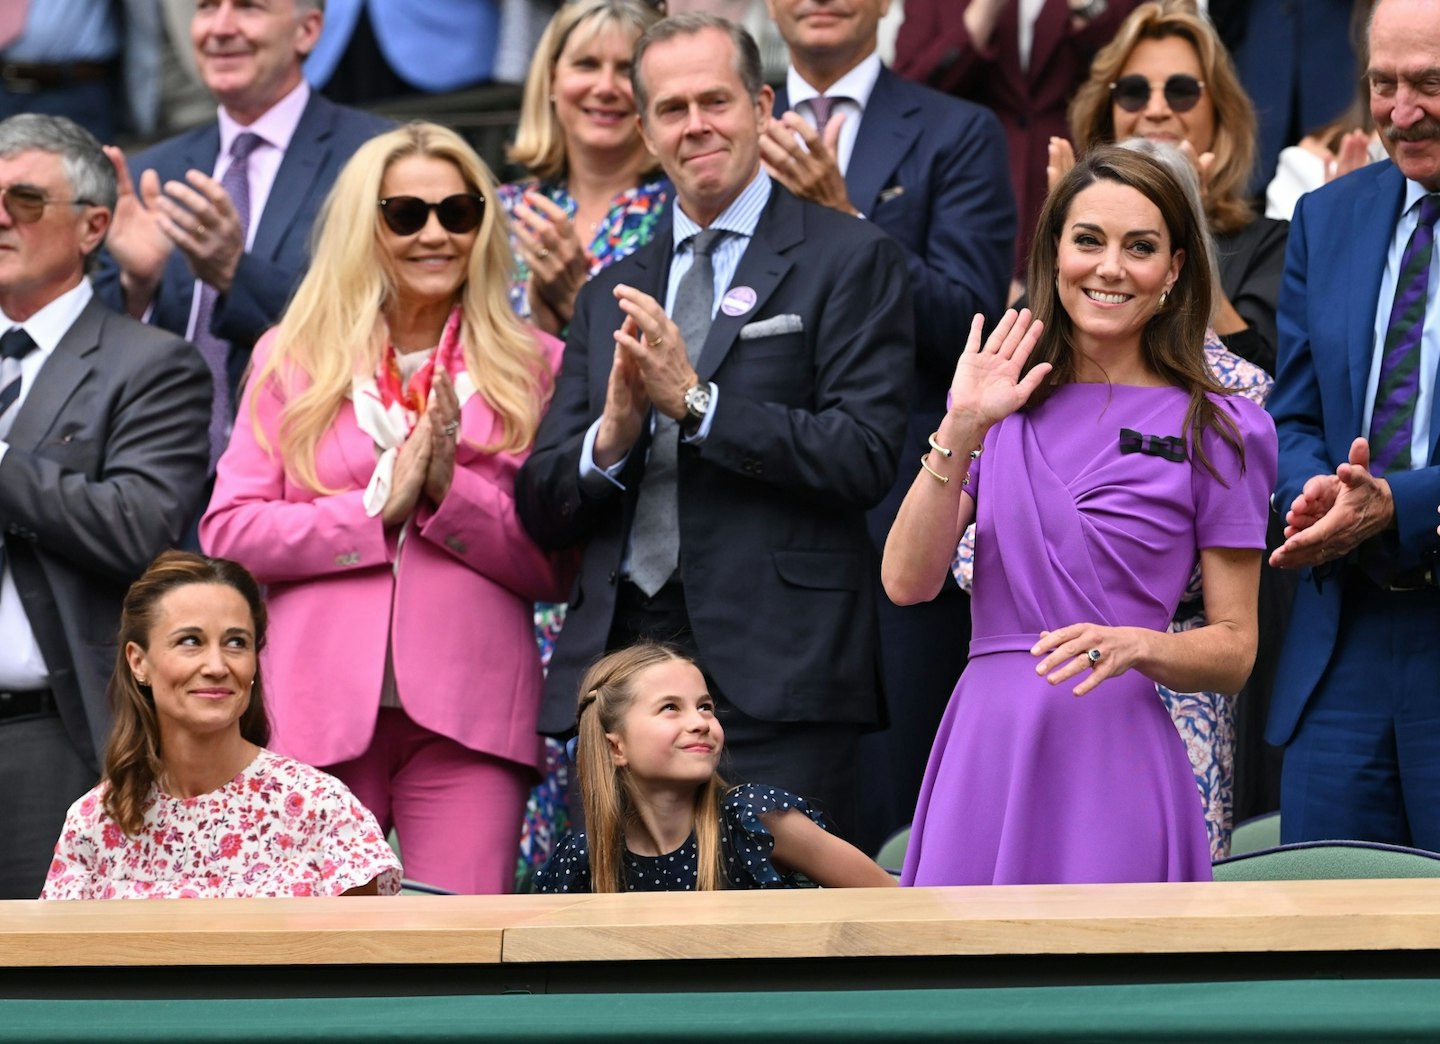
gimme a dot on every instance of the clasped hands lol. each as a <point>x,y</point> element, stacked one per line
<point>651,366</point>
<point>1334,514</point>
<point>425,465</point>
<point>196,216</point>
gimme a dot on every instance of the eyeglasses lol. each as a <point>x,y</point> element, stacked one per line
<point>27,205</point>
<point>1132,93</point>
<point>458,214</point>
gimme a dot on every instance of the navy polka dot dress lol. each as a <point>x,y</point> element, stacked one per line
<point>746,842</point>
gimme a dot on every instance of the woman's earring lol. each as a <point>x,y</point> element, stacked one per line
<point>143,683</point>
<point>1164,296</point>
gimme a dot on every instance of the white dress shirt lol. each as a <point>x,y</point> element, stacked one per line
<point>852,93</point>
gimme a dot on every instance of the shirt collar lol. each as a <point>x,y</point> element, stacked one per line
<point>857,84</point>
<point>47,326</point>
<point>1414,193</point>
<point>740,217</point>
<point>275,127</point>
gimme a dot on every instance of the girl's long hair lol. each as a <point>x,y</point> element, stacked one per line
<point>1173,341</point>
<point>334,329</point>
<point>607,791</point>
<point>133,758</point>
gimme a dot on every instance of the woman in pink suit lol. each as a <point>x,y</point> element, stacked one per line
<point>369,484</point>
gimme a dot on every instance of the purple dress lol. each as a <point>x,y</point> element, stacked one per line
<point>1082,515</point>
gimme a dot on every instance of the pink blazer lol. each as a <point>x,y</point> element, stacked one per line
<point>454,597</point>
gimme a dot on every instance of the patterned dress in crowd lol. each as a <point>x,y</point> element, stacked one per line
<point>627,226</point>
<point>280,828</point>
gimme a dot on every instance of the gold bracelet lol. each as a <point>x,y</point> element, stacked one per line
<point>925,463</point>
<point>939,448</point>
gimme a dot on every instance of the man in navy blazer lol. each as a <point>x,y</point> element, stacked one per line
<point>182,228</point>
<point>1356,703</point>
<point>789,420</point>
<point>933,172</point>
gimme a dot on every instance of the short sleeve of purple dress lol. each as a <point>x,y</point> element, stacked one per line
<point>1091,510</point>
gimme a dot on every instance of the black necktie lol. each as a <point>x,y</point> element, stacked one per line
<point>14,346</point>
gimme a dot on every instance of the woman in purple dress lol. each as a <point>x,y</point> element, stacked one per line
<point>1113,462</point>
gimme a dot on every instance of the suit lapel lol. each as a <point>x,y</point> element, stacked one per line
<point>1050,28</point>
<point>762,267</point>
<point>298,177</point>
<point>886,135</point>
<point>69,365</point>
<point>1371,239</point>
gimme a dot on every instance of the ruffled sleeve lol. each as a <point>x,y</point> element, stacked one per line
<point>347,848</point>
<point>749,845</point>
<point>73,870</point>
<point>567,869</point>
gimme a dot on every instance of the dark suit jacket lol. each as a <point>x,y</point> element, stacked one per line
<point>934,48</point>
<point>106,464</point>
<point>325,138</point>
<point>1339,238</point>
<point>778,570</point>
<point>930,170</point>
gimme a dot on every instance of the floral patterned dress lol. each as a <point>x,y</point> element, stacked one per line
<point>1205,720</point>
<point>279,828</point>
<point>627,226</point>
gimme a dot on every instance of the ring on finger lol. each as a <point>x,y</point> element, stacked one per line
<point>1094,656</point>
<point>451,428</point>
<point>199,230</point>
<point>656,341</point>
<point>544,253</point>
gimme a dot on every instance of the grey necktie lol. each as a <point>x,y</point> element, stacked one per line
<point>821,108</point>
<point>655,532</point>
<point>236,184</point>
<point>14,346</point>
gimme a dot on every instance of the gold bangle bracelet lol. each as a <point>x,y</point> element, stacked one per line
<point>925,463</point>
<point>939,448</point>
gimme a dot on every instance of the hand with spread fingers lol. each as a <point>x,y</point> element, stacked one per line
<point>559,264</point>
<point>988,385</point>
<point>1103,651</point>
<point>657,349</point>
<point>444,416</point>
<point>136,240</point>
<point>200,219</point>
<point>1334,514</point>
<point>795,156</point>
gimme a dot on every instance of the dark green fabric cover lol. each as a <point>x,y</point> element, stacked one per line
<point>1286,1010</point>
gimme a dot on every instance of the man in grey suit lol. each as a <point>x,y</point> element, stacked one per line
<point>102,459</point>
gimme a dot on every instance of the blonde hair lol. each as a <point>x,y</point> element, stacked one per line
<point>1092,116</point>
<point>334,329</point>
<point>606,790</point>
<point>540,140</point>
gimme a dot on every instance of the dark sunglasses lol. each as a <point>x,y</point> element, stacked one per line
<point>27,205</point>
<point>458,214</point>
<point>1132,93</point>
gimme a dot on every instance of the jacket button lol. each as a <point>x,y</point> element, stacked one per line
<point>611,577</point>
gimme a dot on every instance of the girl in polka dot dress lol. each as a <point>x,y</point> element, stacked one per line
<point>659,817</point>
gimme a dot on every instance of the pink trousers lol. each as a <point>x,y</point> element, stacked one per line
<point>457,812</point>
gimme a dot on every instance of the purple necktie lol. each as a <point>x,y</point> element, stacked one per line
<point>1392,423</point>
<point>236,183</point>
<point>821,107</point>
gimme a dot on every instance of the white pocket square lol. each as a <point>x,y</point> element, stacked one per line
<point>776,324</point>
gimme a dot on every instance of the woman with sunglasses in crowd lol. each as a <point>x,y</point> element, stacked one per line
<point>1166,76</point>
<point>369,484</point>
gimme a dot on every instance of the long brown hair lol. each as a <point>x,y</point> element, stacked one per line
<point>132,753</point>
<point>1092,118</point>
<point>1173,341</point>
<point>606,790</point>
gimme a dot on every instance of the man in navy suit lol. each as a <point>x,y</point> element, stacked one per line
<point>1357,704</point>
<point>182,232</point>
<point>783,410</point>
<point>932,171</point>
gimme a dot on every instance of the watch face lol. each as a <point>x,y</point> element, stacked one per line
<point>697,400</point>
